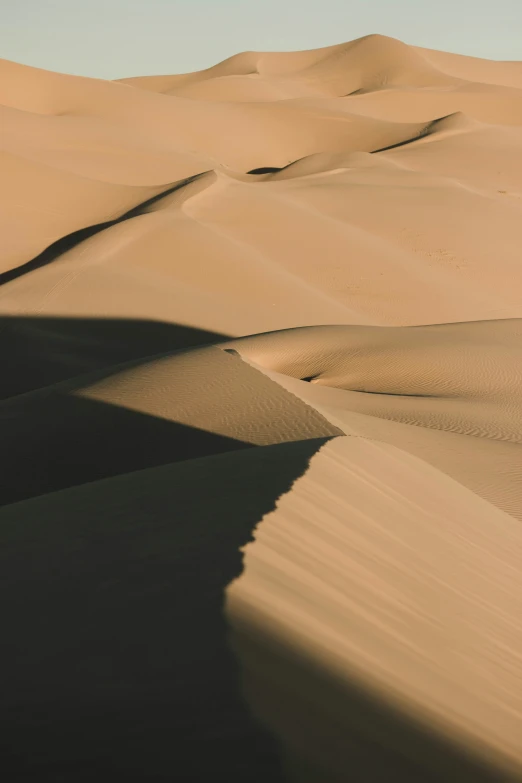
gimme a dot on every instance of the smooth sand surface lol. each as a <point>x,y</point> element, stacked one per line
<point>261,420</point>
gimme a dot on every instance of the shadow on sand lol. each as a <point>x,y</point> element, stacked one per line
<point>117,659</point>
<point>36,352</point>
<point>116,662</point>
<point>332,729</point>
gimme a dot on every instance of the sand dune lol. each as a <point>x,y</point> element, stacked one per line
<point>145,414</point>
<point>379,602</point>
<point>465,378</point>
<point>261,350</point>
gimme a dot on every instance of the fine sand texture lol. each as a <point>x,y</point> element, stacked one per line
<point>261,421</point>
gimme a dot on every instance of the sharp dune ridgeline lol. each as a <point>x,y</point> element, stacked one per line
<point>261,420</point>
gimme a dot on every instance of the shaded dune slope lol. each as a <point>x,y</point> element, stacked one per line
<point>108,673</point>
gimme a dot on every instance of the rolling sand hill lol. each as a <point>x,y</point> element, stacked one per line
<point>260,399</point>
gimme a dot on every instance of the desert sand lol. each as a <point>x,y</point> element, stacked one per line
<point>260,398</point>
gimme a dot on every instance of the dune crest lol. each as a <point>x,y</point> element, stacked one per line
<point>365,569</point>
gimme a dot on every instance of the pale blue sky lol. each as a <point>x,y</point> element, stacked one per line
<point>116,38</point>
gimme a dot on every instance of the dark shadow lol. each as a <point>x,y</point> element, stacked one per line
<point>395,394</point>
<point>335,730</point>
<point>276,169</point>
<point>73,239</point>
<point>116,663</point>
<point>266,170</point>
<point>67,440</point>
<point>430,128</point>
<point>401,143</point>
<point>36,352</point>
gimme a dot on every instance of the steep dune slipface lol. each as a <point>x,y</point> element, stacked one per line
<point>261,350</point>
<point>382,599</point>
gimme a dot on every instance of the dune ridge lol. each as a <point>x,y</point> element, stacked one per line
<point>260,399</point>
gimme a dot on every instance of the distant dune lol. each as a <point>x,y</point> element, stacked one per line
<point>261,351</point>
